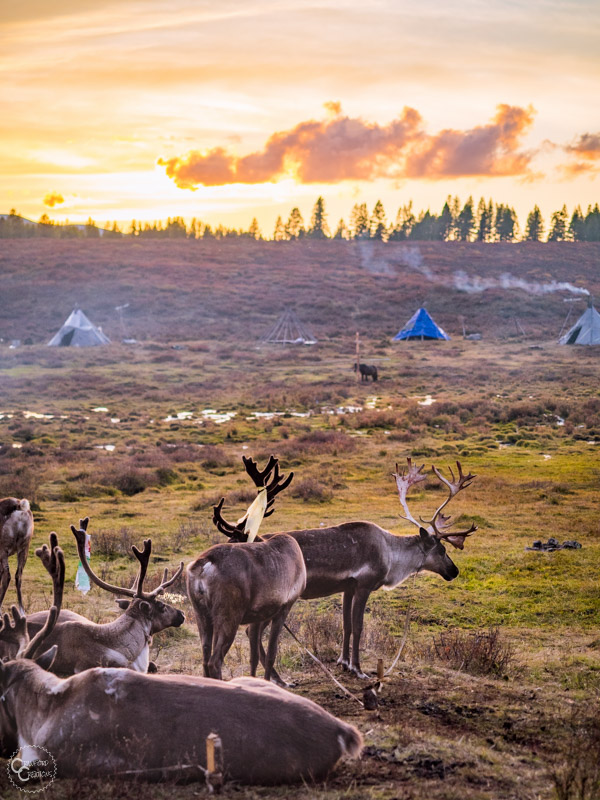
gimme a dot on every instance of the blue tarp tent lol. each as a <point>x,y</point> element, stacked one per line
<point>421,326</point>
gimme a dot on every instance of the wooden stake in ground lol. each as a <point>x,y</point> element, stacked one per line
<point>214,763</point>
<point>357,356</point>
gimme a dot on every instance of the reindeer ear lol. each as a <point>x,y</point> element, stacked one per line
<point>145,607</point>
<point>457,541</point>
<point>46,659</point>
<point>123,604</point>
<point>427,539</point>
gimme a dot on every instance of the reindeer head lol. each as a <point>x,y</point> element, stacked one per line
<point>147,605</point>
<point>438,527</point>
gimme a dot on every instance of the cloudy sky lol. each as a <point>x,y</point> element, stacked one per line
<point>245,108</point>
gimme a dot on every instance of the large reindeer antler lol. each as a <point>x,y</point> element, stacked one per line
<point>439,524</point>
<point>143,556</point>
<point>260,478</point>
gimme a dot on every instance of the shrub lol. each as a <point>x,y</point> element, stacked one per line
<point>311,489</point>
<point>477,652</point>
<point>111,543</point>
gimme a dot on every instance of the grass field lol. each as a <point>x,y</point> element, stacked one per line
<point>498,690</point>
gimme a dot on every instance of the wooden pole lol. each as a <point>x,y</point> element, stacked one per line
<point>380,669</point>
<point>357,356</point>
<point>214,763</point>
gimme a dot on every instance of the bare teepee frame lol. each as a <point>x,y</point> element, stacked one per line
<point>289,330</point>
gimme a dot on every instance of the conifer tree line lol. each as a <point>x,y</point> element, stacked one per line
<point>457,222</point>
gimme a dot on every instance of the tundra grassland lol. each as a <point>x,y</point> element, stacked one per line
<point>497,692</point>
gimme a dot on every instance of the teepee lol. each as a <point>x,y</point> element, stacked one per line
<point>78,331</point>
<point>421,326</point>
<point>289,330</point>
<point>587,328</point>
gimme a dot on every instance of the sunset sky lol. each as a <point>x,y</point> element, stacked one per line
<point>245,108</point>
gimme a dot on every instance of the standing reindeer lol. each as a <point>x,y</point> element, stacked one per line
<point>125,642</point>
<point>16,530</point>
<point>366,371</point>
<point>253,582</point>
<point>119,723</point>
<point>357,558</point>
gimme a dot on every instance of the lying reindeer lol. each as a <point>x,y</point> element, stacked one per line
<point>119,723</point>
<point>124,642</point>
<point>357,558</point>
<point>254,582</point>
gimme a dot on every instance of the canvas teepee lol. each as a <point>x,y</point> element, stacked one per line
<point>78,331</point>
<point>289,330</point>
<point>586,330</point>
<point>421,326</point>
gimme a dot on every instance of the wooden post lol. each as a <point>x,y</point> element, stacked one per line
<point>357,356</point>
<point>380,669</point>
<point>214,763</point>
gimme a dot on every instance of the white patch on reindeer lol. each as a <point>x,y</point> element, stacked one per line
<point>141,662</point>
<point>112,678</point>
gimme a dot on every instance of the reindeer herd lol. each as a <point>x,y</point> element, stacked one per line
<point>82,691</point>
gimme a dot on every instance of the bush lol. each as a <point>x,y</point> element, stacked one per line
<point>476,652</point>
<point>311,489</point>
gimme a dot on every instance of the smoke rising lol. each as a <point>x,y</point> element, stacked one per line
<point>373,263</point>
<point>474,284</point>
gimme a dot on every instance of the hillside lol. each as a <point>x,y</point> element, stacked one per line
<point>235,289</point>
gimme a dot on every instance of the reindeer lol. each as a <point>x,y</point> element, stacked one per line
<point>366,371</point>
<point>16,530</point>
<point>357,558</point>
<point>252,582</point>
<point>107,722</point>
<point>125,642</point>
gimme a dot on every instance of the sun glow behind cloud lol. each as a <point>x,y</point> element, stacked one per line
<point>95,93</point>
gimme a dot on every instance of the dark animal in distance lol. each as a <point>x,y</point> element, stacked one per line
<point>367,371</point>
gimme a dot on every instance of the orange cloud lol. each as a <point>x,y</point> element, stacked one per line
<point>53,199</point>
<point>486,150</point>
<point>586,155</point>
<point>344,148</point>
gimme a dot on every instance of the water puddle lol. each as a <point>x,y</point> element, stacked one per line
<point>426,400</point>
<point>108,447</point>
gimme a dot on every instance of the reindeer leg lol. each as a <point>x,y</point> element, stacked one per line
<point>21,561</point>
<point>344,658</point>
<point>205,631</point>
<point>276,626</point>
<point>254,633</point>
<point>358,613</point>
<point>4,578</point>
<point>222,641</point>
<point>275,677</point>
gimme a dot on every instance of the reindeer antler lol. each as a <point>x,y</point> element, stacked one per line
<point>143,556</point>
<point>438,524</point>
<point>455,485</point>
<point>260,478</point>
<point>404,481</point>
